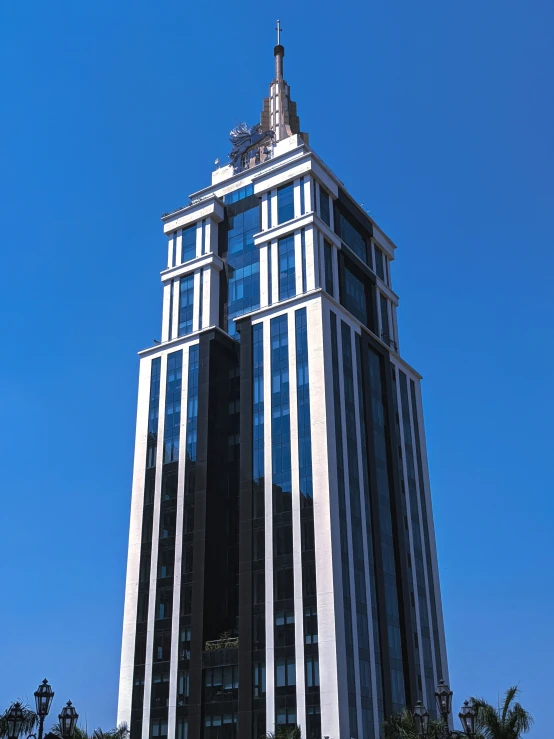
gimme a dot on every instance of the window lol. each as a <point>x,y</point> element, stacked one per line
<point>162,646</point>
<point>285,672</point>
<point>153,412</point>
<point>259,587</point>
<point>243,192</point>
<point>324,209</point>
<point>286,716</point>
<point>163,604</point>
<point>328,262</point>
<point>302,197</point>
<point>158,728</point>
<point>303,253</point>
<point>184,643</point>
<point>186,599</point>
<point>379,263</point>
<point>285,203</point>
<point>172,423</point>
<point>259,679</point>
<point>282,539</point>
<point>284,628</point>
<point>186,305</point>
<point>287,273</point>
<point>160,688</point>
<point>166,558</point>
<point>169,485</point>
<point>355,296</point>
<point>188,249</point>
<point>312,672</point>
<point>243,260</point>
<point>142,609</point>
<point>352,237</point>
<point>310,625</point>
<point>183,687</point>
<point>284,583</point>
<point>308,579</point>
<point>385,331</point>
<point>182,728</point>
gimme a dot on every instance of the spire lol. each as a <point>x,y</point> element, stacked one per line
<point>279,112</point>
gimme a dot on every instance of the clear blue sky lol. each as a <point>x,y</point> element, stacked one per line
<point>439,116</point>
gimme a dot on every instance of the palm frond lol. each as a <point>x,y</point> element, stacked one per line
<point>30,720</point>
<point>509,696</point>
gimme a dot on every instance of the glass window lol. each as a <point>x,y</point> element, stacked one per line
<point>158,728</point>
<point>355,296</point>
<point>287,273</point>
<point>172,423</point>
<point>285,203</point>
<point>310,625</point>
<point>284,583</point>
<point>385,331</point>
<point>259,679</point>
<point>328,260</point>
<point>285,672</point>
<point>188,249</point>
<point>182,728</point>
<point>324,209</point>
<point>303,252</point>
<point>312,672</point>
<point>302,197</point>
<point>243,260</point>
<point>186,305</point>
<point>379,263</point>
<point>240,194</point>
<point>153,413</point>
<point>352,237</point>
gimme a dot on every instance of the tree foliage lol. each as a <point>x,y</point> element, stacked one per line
<point>284,732</point>
<point>30,720</point>
<point>401,726</point>
<point>509,721</point>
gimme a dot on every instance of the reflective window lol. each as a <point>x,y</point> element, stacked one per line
<point>259,679</point>
<point>287,273</point>
<point>153,413</point>
<point>355,296</point>
<point>172,422</point>
<point>240,194</point>
<point>258,418</point>
<point>243,260</point>
<point>352,237</point>
<point>285,672</point>
<point>385,331</point>
<point>188,249</point>
<point>158,728</point>
<point>186,305</point>
<point>285,203</point>
<point>312,671</point>
<point>280,415</point>
<point>303,407</point>
<point>324,209</point>
<point>302,197</point>
<point>379,263</point>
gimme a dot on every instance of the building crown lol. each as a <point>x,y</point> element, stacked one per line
<point>279,119</point>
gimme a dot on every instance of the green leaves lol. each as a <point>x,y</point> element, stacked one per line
<point>509,721</point>
<point>30,720</point>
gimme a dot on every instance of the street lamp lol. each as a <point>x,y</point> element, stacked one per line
<point>443,694</point>
<point>421,719</point>
<point>14,721</point>
<point>68,720</point>
<point>43,700</point>
<point>468,716</point>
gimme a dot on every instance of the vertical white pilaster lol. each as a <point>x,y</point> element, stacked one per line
<point>176,301</point>
<point>309,194</point>
<point>133,557</point>
<point>297,198</point>
<point>179,247</point>
<point>265,219</point>
<point>274,210</point>
<point>274,271</point>
<point>330,613</point>
<point>311,258</point>
<point>196,302</point>
<point>154,556</point>
<point>199,243</point>
<point>268,502</point>
<point>170,249</point>
<point>264,276</point>
<point>165,310</point>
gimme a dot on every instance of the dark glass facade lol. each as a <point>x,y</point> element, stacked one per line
<point>287,271</point>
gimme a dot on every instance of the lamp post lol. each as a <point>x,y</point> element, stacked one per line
<point>443,694</point>
<point>14,721</point>
<point>43,700</point>
<point>68,720</point>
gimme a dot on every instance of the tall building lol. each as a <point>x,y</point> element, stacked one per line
<point>282,564</point>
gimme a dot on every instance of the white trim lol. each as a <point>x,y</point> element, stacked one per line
<point>154,557</point>
<point>133,557</point>
<point>268,513</point>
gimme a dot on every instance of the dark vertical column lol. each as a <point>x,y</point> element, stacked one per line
<point>403,586</point>
<point>376,537</point>
<point>199,544</point>
<point>245,534</point>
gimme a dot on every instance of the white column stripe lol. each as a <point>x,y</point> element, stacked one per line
<point>154,557</point>
<point>268,475</point>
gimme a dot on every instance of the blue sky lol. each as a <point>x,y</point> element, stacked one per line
<point>439,117</point>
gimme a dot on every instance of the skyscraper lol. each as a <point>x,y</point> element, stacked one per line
<point>282,564</point>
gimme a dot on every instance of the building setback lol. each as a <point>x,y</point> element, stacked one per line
<point>282,564</point>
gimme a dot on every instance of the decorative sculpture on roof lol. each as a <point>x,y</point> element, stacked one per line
<point>243,138</point>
